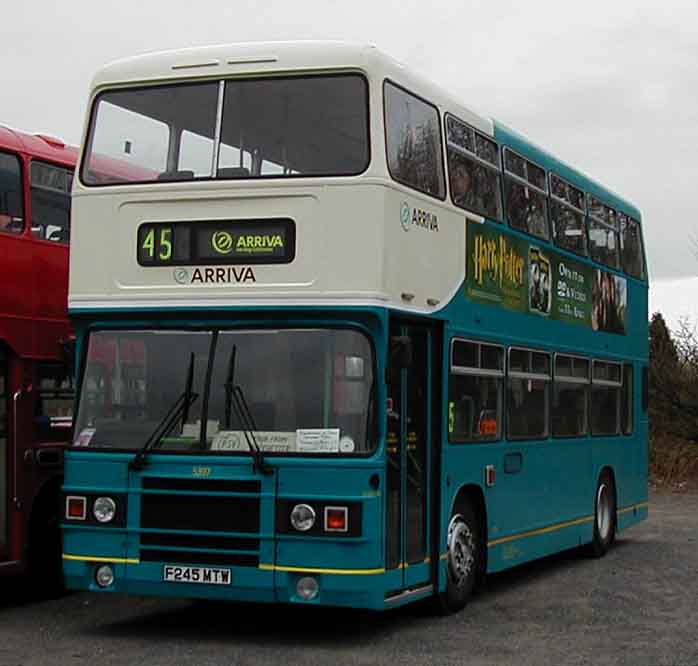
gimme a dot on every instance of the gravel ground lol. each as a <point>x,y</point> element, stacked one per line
<point>635,606</point>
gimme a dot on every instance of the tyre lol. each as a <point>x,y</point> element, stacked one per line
<point>604,516</point>
<point>464,559</point>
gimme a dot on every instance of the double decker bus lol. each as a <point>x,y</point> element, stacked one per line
<point>342,340</point>
<point>36,384</point>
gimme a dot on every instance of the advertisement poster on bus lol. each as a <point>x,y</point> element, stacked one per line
<point>610,302</point>
<point>520,275</point>
<point>539,281</point>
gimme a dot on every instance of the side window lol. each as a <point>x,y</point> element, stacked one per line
<point>54,405</point>
<point>195,154</point>
<point>627,420</point>
<point>525,194</point>
<point>603,233</point>
<point>528,398</point>
<point>606,398</point>
<point>133,138</point>
<point>567,210</point>
<point>50,194</point>
<point>570,396</point>
<point>475,392</point>
<point>473,170</point>
<point>413,141</point>
<point>11,195</point>
<point>632,257</point>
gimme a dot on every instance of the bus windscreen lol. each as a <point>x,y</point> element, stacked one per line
<point>280,127</point>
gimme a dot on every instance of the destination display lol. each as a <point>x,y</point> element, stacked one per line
<point>520,275</point>
<point>218,242</point>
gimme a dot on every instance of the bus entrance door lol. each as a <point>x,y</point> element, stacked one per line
<point>4,467</point>
<point>408,478</point>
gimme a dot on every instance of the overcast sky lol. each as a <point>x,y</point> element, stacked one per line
<point>609,86</point>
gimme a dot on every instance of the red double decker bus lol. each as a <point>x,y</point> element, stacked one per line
<point>36,386</point>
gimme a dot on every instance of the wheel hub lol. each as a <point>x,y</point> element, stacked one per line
<point>461,551</point>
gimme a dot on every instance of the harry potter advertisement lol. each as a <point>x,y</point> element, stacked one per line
<point>520,275</point>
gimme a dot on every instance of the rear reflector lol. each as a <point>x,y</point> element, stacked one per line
<point>75,508</point>
<point>336,518</point>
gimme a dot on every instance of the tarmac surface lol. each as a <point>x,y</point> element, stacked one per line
<point>638,605</point>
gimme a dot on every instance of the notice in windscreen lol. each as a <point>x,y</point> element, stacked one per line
<point>307,440</point>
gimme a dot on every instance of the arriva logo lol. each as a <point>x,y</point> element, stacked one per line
<point>181,275</point>
<point>405,216</point>
<point>222,242</point>
<point>417,217</point>
<point>220,275</point>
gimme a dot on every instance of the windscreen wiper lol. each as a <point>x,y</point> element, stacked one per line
<point>249,427</point>
<point>228,386</point>
<point>207,388</point>
<point>179,408</point>
<point>243,414</point>
<point>187,389</point>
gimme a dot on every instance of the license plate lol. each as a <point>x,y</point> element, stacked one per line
<point>203,575</point>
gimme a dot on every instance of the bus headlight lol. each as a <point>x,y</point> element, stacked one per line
<point>302,517</point>
<point>104,509</point>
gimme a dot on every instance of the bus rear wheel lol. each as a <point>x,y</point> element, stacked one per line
<point>463,559</point>
<point>604,516</point>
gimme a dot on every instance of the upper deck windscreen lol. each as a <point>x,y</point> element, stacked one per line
<point>268,128</point>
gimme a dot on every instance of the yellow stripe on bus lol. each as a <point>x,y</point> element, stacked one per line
<point>109,560</point>
<point>543,530</point>
<point>634,507</point>
<point>349,572</point>
<point>340,572</point>
<point>559,526</point>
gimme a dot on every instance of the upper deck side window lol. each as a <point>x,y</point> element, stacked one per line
<point>525,193</point>
<point>238,128</point>
<point>413,141</point>
<point>567,210</point>
<point>11,195</point>
<point>474,169</point>
<point>603,233</point>
<point>631,250</point>
<point>50,195</point>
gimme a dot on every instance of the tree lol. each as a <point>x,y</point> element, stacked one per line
<point>673,375</point>
<point>662,347</point>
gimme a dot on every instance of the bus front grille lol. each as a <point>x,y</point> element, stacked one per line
<point>214,522</point>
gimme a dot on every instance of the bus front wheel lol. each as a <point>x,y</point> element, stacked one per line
<point>604,515</point>
<point>463,559</point>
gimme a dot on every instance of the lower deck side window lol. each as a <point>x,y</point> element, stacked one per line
<point>475,391</point>
<point>607,380</point>
<point>528,394</point>
<point>569,409</point>
<point>628,403</point>
<point>605,410</point>
<point>54,407</point>
<point>528,402</point>
<point>474,408</point>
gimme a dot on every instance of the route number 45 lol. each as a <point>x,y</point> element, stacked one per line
<point>158,244</point>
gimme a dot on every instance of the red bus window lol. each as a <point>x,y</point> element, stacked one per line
<point>11,207</point>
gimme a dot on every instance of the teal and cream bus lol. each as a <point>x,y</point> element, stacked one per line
<point>342,340</point>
